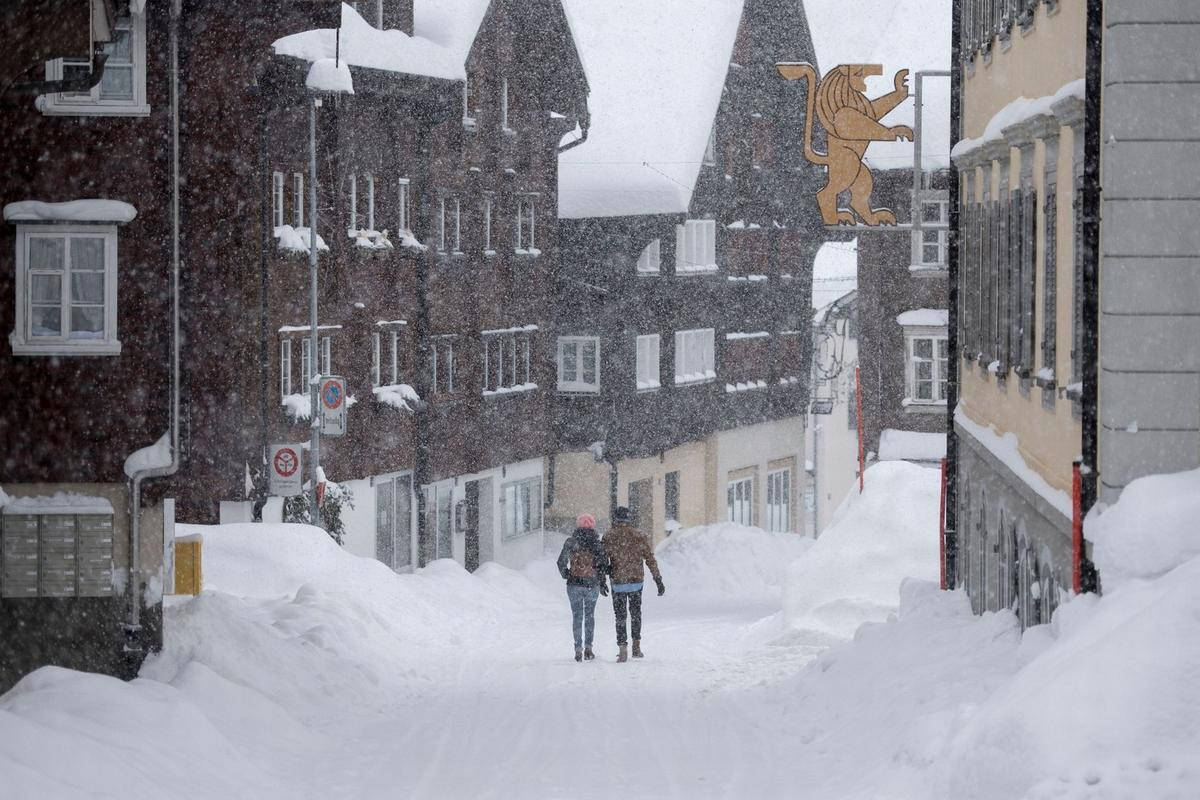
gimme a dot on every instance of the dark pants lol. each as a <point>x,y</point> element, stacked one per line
<point>632,601</point>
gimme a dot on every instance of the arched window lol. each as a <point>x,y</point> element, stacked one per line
<point>651,258</point>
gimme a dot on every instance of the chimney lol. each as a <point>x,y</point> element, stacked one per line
<point>398,15</point>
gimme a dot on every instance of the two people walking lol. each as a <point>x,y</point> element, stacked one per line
<point>587,564</point>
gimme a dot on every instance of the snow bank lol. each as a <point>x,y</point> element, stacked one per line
<point>877,539</point>
<point>1149,531</point>
<point>896,445</point>
<point>729,561</point>
<point>70,211</point>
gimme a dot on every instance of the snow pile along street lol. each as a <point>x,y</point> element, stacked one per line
<point>876,539</point>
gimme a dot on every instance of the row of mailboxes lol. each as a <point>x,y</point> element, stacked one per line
<point>56,555</point>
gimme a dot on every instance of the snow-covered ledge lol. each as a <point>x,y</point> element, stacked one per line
<point>106,212</point>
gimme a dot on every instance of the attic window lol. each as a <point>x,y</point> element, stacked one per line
<point>122,90</point>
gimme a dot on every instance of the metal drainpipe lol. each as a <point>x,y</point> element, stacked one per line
<point>133,628</point>
<point>952,322</point>
<point>314,350</point>
<point>1091,269</point>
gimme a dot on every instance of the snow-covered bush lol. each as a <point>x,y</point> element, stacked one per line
<point>337,497</point>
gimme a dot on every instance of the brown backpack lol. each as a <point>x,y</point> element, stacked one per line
<point>583,563</point>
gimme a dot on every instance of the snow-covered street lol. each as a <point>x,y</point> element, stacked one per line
<point>303,671</point>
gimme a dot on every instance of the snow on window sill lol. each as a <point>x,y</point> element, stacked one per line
<point>398,395</point>
<point>507,131</point>
<point>746,278</point>
<point>929,270</point>
<point>733,388</point>
<point>695,377</point>
<point>531,252</point>
<point>470,124</point>
<point>578,388</point>
<point>50,108</point>
<point>489,253</point>
<point>505,390</point>
<point>648,386</point>
<point>89,347</point>
<point>791,380</point>
<point>296,240</point>
<point>912,406</point>
<point>653,273</point>
<point>696,269</point>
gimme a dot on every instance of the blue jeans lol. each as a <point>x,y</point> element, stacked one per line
<point>583,613</point>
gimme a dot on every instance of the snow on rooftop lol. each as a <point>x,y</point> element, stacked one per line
<point>896,445</point>
<point>443,33</point>
<point>902,34</point>
<point>835,272</point>
<point>70,211</point>
<point>656,70</point>
<point>924,318</point>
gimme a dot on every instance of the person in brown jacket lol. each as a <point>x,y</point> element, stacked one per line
<point>628,550</point>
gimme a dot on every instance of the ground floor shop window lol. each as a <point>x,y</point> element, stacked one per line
<point>521,507</point>
<point>740,500</point>
<point>393,521</point>
<point>779,501</point>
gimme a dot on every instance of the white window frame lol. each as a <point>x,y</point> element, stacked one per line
<point>306,361</point>
<point>938,372</point>
<point>93,103</point>
<point>285,367</point>
<point>779,514</point>
<point>504,106</point>
<point>527,207</point>
<point>650,261</point>
<point>297,198</point>
<point>402,223</point>
<point>507,361</point>
<point>277,199</point>
<point>649,363</point>
<point>740,510</point>
<point>21,339</point>
<point>696,246</point>
<point>352,228</point>
<point>515,523</point>
<point>443,345</point>
<point>576,383</point>
<point>688,343</point>
<point>371,202</point>
<point>489,203</point>
<point>395,372</point>
<point>468,120</point>
<point>455,207</point>
<point>326,355</point>
<point>941,229</point>
<point>376,371</point>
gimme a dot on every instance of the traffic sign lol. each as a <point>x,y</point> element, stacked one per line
<point>284,469</point>
<point>333,406</point>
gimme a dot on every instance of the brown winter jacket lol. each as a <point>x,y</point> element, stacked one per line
<point>627,548</point>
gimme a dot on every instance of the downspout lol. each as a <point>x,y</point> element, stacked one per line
<point>951,533</point>
<point>264,358</point>
<point>133,645</point>
<point>1091,271</point>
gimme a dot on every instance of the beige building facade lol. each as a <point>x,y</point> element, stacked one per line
<point>1020,162</point>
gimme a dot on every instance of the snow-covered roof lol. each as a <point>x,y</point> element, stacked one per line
<point>656,71</point>
<point>70,211</point>
<point>443,32</point>
<point>835,272</point>
<point>900,34</point>
<point>1020,110</point>
<point>924,318</point>
<point>895,445</point>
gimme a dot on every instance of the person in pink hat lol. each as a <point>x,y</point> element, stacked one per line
<point>584,565</point>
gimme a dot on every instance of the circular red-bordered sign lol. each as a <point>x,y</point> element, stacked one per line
<point>286,462</point>
<point>331,394</point>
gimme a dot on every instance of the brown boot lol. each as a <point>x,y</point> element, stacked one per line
<point>623,656</point>
<point>579,655</point>
<point>588,655</point>
<point>637,648</point>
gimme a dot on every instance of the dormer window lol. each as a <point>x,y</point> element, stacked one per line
<point>122,89</point>
<point>504,106</point>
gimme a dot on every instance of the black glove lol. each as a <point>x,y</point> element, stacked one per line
<point>661,589</point>
<point>604,588</point>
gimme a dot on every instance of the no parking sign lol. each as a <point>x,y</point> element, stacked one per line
<point>333,406</point>
<point>284,470</point>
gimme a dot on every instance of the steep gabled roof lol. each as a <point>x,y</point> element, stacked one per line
<point>656,69</point>
<point>443,32</point>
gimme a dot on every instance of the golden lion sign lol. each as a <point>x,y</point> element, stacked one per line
<point>851,123</point>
